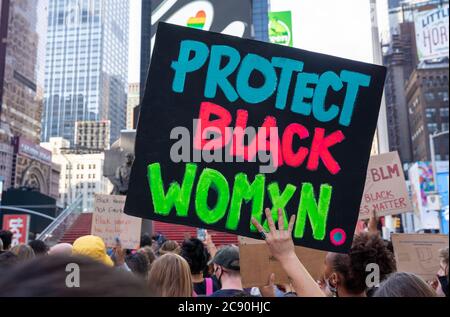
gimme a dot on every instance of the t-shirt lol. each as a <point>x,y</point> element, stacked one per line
<point>226,293</point>
<point>200,288</point>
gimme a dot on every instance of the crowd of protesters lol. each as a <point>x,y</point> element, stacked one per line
<point>164,268</point>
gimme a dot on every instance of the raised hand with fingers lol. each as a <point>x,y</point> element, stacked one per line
<point>281,246</point>
<point>279,241</point>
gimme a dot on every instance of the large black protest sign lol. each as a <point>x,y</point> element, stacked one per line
<point>230,126</point>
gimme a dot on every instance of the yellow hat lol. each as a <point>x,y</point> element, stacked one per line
<point>93,247</point>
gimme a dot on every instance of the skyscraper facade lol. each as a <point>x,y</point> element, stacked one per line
<point>22,52</point>
<point>261,19</point>
<point>86,66</point>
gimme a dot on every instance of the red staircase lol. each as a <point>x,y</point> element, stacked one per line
<point>179,233</point>
<point>81,227</point>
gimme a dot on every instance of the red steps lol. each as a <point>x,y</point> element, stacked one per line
<point>179,233</point>
<point>82,227</point>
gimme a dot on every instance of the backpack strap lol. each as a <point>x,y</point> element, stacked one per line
<point>209,286</point>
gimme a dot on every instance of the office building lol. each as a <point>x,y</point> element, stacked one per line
<point>92,135</point>
<point>133,101</point>
<point>428,105</point>
<point>81,173</point>
<point>22,54</point>
<point>86,66</point>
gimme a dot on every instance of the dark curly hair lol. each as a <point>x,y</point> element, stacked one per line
<point>195,254</point>
<point>366,249</point>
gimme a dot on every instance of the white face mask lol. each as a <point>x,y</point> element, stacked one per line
<point>330,290</point>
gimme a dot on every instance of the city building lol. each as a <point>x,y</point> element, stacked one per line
<point>146,37</point>
<point>86,66</point>
<point>6,160</point>
<point>92,135</point>
<point>81,173</point>
<point>400,58</point>
<point>133,101</point>
<point>32,168</point>
<point>402,54</point>
<point>22,54</point>
<point>260,14</point>
<point>428,106</point>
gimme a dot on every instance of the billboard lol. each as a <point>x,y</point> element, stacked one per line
<point>422,183</point>
<point>432,33</point>
<point>19,225</point>
<point>232,17</point>
<point>280,28</point>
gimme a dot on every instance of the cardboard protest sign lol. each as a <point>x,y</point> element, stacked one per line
<point>419,253</point>
<point>109,222</point>
<point>19,225</point>
<point>385,190</point>
<point>230,126</point>
<point>257,263</point>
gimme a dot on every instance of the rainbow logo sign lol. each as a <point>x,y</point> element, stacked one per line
<point>197,22</point>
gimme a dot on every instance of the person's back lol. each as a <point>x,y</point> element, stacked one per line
<point>48,276</point>
<point>6,237</point>
<point>170,276</point>
<point>227,271</point>
<point>39,247</point>
<point>194,252</point>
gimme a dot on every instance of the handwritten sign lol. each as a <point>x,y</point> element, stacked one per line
<point>109,222</point>
<point>385,190</point>
<point>19,225</point>
<point>230,126</point>
<point>419,253</point>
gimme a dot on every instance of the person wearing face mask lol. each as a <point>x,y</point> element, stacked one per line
<point>345,274</point>
<point>440,285</point>
<point>227,271</point>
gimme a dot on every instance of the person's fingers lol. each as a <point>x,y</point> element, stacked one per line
<point>291,225</point>
<point>257,225</point>
<point>269,218</point>
<point>272,279</point>
<point>280,219</point>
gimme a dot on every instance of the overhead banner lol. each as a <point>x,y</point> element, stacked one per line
<point>385,191</point>
<point>280,28</point>
<point>19,225</point>
<point>230,126</point>
<point>110,223</point>
<point>432,33</point>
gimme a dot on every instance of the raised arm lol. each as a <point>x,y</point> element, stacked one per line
<point>281,246</point>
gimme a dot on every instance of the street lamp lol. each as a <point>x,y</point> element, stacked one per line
<point>433,159</point>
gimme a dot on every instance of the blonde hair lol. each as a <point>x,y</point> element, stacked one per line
<point>170,276</point>
<point>23,252</point>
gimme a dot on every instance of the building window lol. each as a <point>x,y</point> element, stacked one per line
<point>432,127</point>
<point>429,96</point>
<point>443,112</point>
<point>430,112</point>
